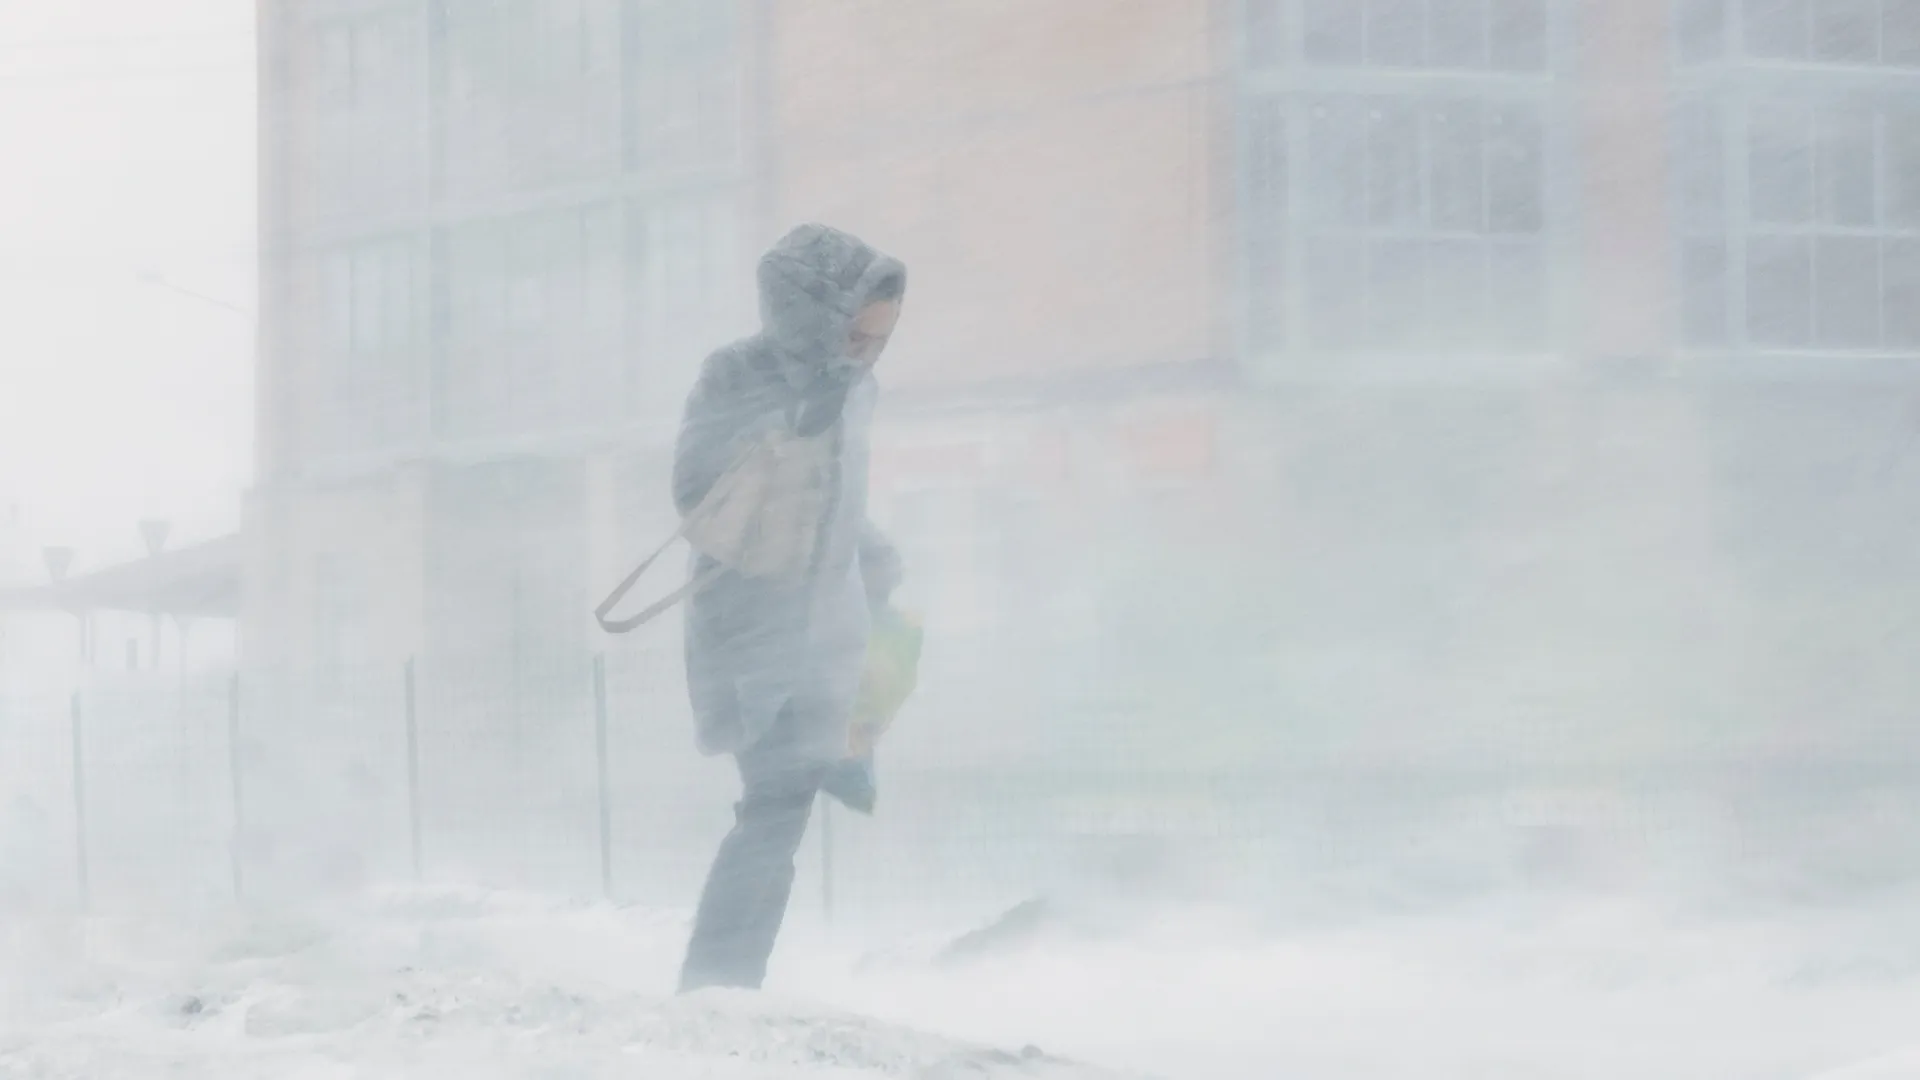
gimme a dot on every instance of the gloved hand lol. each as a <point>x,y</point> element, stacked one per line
<point>823,399</point>
<point>851,782</point>
<point>893,661</point>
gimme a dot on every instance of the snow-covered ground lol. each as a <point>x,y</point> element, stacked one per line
<point>430,984</point>
<point>470,984</point>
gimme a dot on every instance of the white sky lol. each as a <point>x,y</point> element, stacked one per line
<point>126,145</point>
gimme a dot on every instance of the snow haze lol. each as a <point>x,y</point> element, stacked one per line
<point>1414,507</point>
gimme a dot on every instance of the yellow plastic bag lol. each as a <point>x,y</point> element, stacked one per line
<point>892,673</point>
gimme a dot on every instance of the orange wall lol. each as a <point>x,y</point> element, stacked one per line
<point>1045,169</point>
<point>1059,174</point>
<point>1627,281</point>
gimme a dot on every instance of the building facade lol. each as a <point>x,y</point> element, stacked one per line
<point>477,218</point>
<point>1147,239</point>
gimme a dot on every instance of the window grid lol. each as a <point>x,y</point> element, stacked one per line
<point>531,328</point>
<point>372,303</point>
<point>1419,35</point>
<point>510,48</point>
<point>339,624</point>
<point>682,83</point>
<point>1820,33</point>
<point>398,315</point>
<point>1807,235</point>
<point>682,279</point>
<point>548,322</point>
<point>360,63</point>
<point>1336,259</point>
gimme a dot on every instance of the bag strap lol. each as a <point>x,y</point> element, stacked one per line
<point>653,611</point>
<point>634,622</point>
<point>693,585</point>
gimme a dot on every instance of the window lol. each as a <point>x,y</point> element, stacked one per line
<point>1780,165</point>
<point>1703,273</point>
<point>1265,33</point>
<point>1419,213</point>
<point>362,62</point>
<point>1831,183</point>
<point>1846,31</point>
<point>1845,182</point>
<point>386,297</point>
<point>1779,283</point>
<point>1837,32</point>
<point>1334,33</point>
<point>684,279</point>
<point>1776,29</point>
<point>361,78</point>
<point>1819,221</point>
<point>340,627</point>
<point>1700,164</point>
<point>1266,180</point>
<point>531,322</point>
<point>1699,155</point>
<point>1901,166</point>
<point>1457,36</point>
<point>369,349</point>
<point>1515,162</point>
<point>1518,32</point>
<point>330,78</point>
<point>373,296</point>
<point>561,46</point>
<point>1900,302</point>
<point>1823,31</point>
<point>1900,32</point>
<point>1701,26</point>
<point>527,97</point>
<point>1395,33</point>
<point>1401,202</point>
<point>513,47</point>
<point>1491,35</point>
<point>682,83</point>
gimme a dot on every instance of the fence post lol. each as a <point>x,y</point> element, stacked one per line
<point>826,859</point>
<point>237,844</point>
<point>80,808</point>
<point>413,770</point>
<point>600,761</point>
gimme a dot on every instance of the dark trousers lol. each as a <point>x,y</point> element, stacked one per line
<point>745,898</point>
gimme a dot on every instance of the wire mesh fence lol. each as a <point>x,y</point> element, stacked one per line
<point>574,773</point>
<point>118,794</point>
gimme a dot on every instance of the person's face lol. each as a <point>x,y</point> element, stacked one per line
<point>871,330</point>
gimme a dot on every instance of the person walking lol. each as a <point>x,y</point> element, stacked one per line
<point>774,664</point>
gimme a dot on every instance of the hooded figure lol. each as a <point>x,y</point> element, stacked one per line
<point>774,668</point>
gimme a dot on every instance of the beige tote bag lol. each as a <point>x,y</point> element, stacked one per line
<point>761,519</point>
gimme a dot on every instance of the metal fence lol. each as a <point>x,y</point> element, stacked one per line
<point>576,775</point>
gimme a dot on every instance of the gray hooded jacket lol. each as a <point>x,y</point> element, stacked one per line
<point>754,647</point>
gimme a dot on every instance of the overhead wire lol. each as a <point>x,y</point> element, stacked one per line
<point>30,44</point>
<point>64,78</point>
